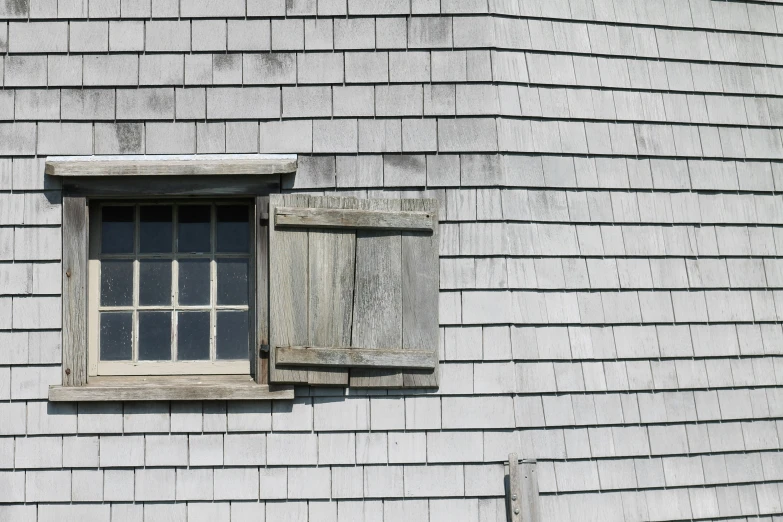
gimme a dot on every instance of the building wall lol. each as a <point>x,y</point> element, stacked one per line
<point>609,174</point>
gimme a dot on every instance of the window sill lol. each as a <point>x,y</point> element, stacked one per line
<point>180,388</point>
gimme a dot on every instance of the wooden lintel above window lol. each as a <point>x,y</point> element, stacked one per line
<point>190,165</point>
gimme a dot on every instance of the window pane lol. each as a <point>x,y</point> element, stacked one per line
<point>232,335</point>
<point>117,230</point>
<point>154,336</point>
<point>233,228</point>
<point>194,230</point>
<point>155,229</point>
<point>116,283</point>
<point>116,336</point>
<point>232,281</point>
<point>154,282</point>
<point>193,336</point>
<point>194,278</point>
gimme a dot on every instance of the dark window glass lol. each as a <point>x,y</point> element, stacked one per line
<point>232,281</point>
<point>193,336</point>
<point>232,335</point>
<point>154,336</point>
<point>117,230</point>
<point>233,228</point>
<point>154,282</point>
<point>116,336</point>
<point>194,282</point>
<point>193,227</point>
<point>155,229</point>
<point>116,283</point>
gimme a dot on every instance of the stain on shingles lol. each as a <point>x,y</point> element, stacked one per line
<point>159,103</point>
<point>289,4</point>
<point>129,136</point>
<point>276,63</point>
<point>406,162</point>
<point>224,61</point>
<point>17,7</point>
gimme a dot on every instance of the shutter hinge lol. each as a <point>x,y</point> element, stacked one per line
<point>263,350</point>
<point>264,219</point>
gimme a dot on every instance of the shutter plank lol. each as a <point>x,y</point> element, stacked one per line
<point>420,286</point>
<point>75,220</point>
<point>330,303</point>
<point>259,359</point>
<point>377,304</point>
<point>288,285</point>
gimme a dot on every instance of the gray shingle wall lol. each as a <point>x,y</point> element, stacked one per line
<point>609,175</point>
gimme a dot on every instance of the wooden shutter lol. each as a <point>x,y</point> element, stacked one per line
<point>353,291</point>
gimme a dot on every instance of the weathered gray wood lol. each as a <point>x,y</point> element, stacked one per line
<point>74,293</point>
<point>288,253</point>
<point>171,186</point>
<point>420,287</point>
<point>355,219</point>
<point>179,166</point>
<point>259,356</point>
<point>513,495</point>
<point>170,388</point>
<point>355,357</point>
<point>377,304</point>
<point>529,491</point>
<point>330,274</point>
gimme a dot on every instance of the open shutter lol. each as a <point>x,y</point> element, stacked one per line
<point>353,291</point>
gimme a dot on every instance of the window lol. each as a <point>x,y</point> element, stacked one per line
<point>190,279</point>
<point>170,286</point>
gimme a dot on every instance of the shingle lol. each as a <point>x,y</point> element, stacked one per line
<point>255,102</point>
<point>354,33</point>
<point>287,34</point>
<point>335,136</point>
<point>388,100</point>
<point>110,70</point>
<point>429,32</point>
<point>38,37</point>
<point>467,135</point>
<point>167,35</point>
<point>170,138</point>
<point>367,67</point>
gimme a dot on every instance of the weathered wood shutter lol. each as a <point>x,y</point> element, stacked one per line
<point>353,291</point>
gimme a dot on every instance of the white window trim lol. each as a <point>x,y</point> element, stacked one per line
<point>116,368</point>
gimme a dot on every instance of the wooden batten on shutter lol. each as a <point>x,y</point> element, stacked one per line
<point>365,279</point>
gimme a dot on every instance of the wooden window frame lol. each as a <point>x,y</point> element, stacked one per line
<point>167,178</point>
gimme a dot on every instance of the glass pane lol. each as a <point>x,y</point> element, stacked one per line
<point>116,336</point>
<point>232,335</point>
<point>116,283</point>
<point>233,228</point>
<point>155,282</point>
<point>155,229</point>
<point>194,228</point>
<point>154,336</point>
<point>194,281</point>
<point>117,230</point>
<point>193,336</point>
<point>232,281</point>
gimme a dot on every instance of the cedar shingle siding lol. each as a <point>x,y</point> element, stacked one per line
<point>609,177</point>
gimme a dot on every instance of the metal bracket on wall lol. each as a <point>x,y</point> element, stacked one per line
<point>522,490</point>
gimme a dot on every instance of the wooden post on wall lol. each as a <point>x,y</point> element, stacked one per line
<point>522,492</point>
<point>75,226</point>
